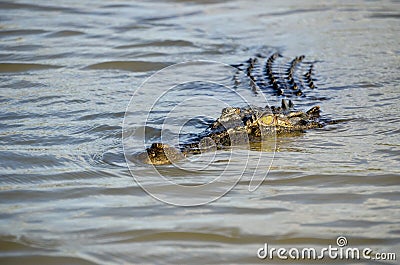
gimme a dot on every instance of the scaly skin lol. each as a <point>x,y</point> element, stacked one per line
<point>238,126</point>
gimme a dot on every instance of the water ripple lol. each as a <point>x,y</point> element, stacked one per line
<point>23,67</point>
<point>134,66</point>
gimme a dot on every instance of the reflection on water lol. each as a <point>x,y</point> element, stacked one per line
<point>67,73</point>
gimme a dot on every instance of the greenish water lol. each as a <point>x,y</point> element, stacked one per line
<point>68,70</point>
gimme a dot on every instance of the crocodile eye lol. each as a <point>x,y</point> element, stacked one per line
<point>267,120</point>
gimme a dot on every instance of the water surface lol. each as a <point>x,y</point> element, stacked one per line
<point>68,70</point>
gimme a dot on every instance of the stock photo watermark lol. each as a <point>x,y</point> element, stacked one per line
<point>340,251</point>
<point>165,112</point>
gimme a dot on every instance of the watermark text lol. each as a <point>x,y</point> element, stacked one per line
<point>339,251</point>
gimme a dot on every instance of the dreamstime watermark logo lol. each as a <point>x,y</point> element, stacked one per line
<point>167,109</point>
<point>340,251</point>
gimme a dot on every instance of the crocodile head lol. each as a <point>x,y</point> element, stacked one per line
<point>237,126</point>
<point>260,122</point>
<point>294,121</point>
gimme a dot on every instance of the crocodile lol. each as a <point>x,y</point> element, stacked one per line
<point>243,125</point>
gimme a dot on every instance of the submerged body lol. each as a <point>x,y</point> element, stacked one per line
<point>238,126</point>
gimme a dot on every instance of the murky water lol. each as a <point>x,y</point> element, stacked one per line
<point>68,70</point>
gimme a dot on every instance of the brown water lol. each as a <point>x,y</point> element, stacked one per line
<point>68,70</point>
